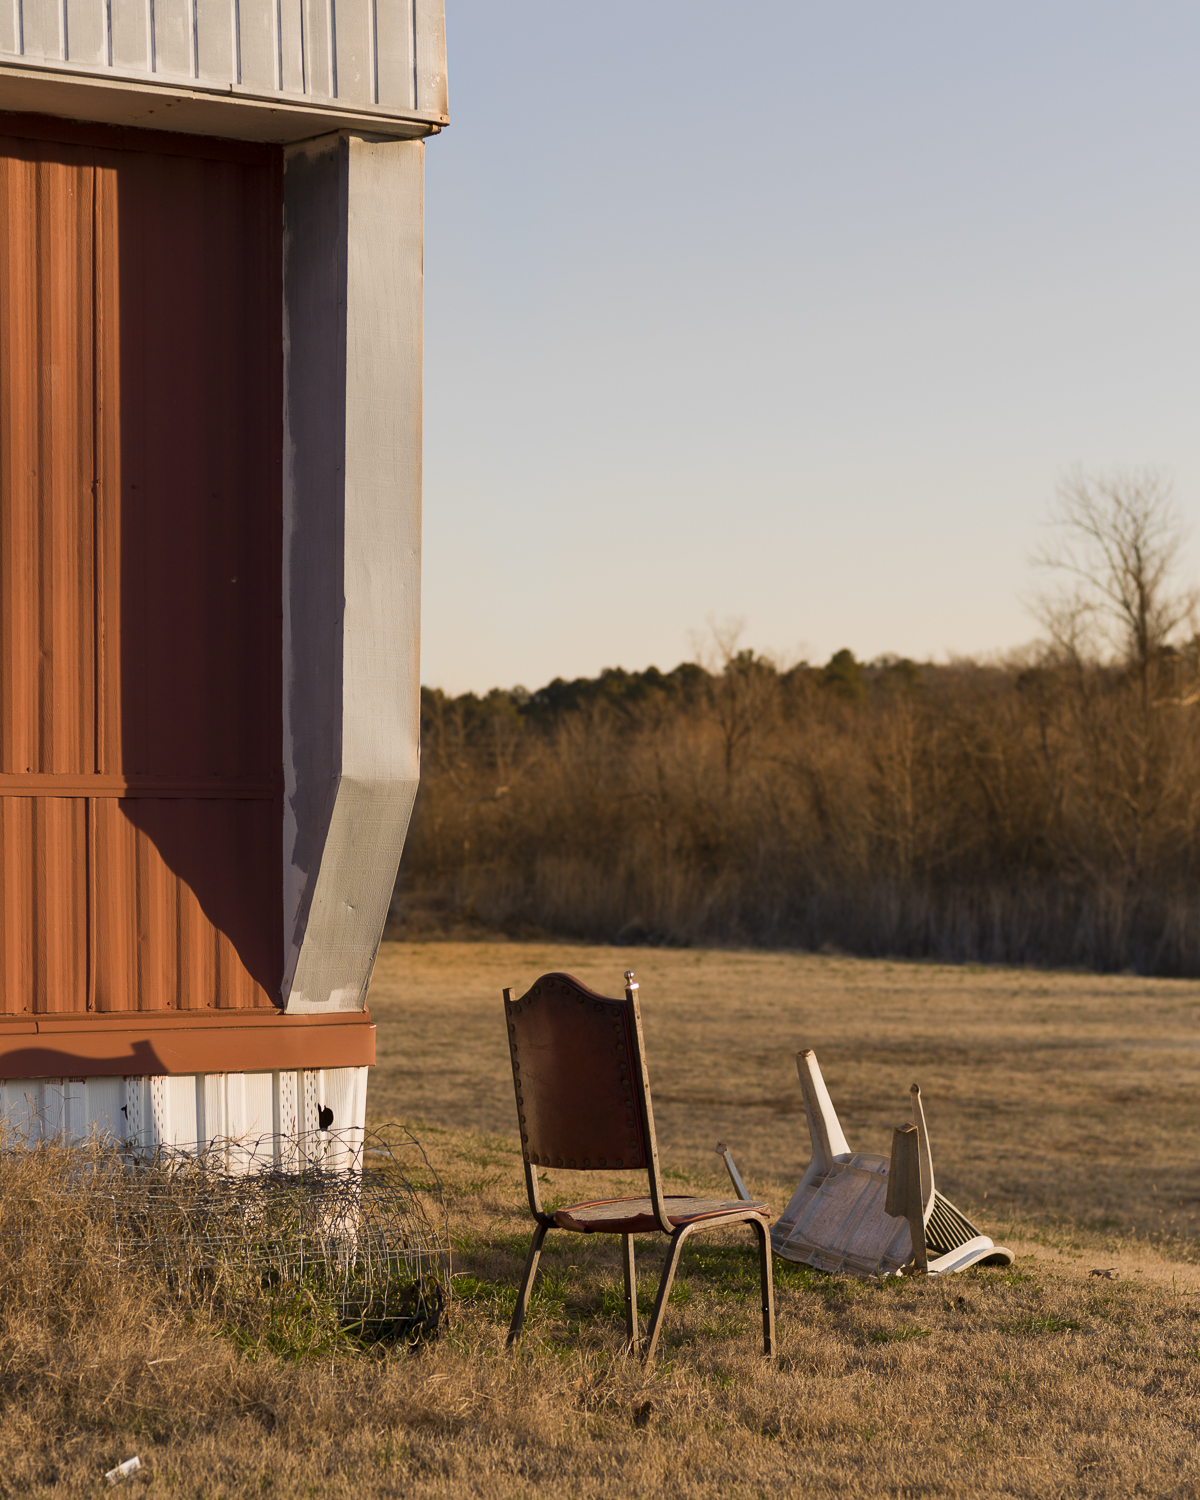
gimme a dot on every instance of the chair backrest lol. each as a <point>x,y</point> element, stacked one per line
<point>583,1099</point>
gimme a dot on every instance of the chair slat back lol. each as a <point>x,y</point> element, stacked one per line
<point>579,1078</point>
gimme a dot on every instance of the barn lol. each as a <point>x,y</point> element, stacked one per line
<point>211,237</point>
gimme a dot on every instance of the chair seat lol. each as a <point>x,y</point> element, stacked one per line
<point>636,1215</point>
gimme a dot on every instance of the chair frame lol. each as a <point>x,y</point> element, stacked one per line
<point>677,1234</point>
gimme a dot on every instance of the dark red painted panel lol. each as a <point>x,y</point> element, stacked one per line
<point>196,434</point>
<point>140,613</point>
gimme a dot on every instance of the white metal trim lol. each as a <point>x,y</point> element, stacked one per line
<point>191,1112</point>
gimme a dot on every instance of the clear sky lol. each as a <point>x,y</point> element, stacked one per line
<point>794,313</point>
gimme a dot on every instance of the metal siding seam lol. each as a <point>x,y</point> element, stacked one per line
<point>89,809</point>
<point>236,1122</point>
<point>276,1113</point>
<point>105,454</point>
<point>19,838</point>
<point>90,842</point>
<point>208,1111</point>
<point>97,785</point>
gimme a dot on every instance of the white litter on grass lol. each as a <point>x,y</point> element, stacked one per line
<point>123,1471</point>
<point>862,1214</point>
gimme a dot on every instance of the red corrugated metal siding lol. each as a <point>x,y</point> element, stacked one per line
<point>158,943</point>
<point>140,517</point>
<point>46,647</point>
<point>46,641</point>
<point>43,913</point>
<point>196,421</point>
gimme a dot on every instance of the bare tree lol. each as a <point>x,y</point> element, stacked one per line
<point>741,688</point>
<point>1118,541</point>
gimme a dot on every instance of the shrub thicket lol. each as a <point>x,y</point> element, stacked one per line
<point>1038,810</point>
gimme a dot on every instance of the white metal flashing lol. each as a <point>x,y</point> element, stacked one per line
<point>352,552</point>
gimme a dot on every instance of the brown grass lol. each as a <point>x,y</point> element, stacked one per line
<point>1065,1098</point>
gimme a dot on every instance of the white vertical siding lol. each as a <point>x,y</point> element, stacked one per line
<point>87,32</point>
<point>102,1106</point>
<point>291,47</point>
<point>241,1110</point>
<point>283,1103</point>
<point>215,28</point>
<point>41,23</point>
<point>173,38</point>
<point>345,1093</point>
<point>310,1100</point>
<point>388,54</point>
<point>130,36</point>
<point>259,45</point>
<point>9,41</point>
<point>353,50</point>
<point>394,60</point>
<point>429,32</point>
<point>318,34</point>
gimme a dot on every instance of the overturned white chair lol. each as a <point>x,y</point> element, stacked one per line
<point>867,1215</point>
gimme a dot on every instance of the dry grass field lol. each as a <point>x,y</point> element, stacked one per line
<point>1063,1116</point>
<point>1071,1100</point>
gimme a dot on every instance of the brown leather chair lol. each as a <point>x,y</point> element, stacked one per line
<point>583,1101</point>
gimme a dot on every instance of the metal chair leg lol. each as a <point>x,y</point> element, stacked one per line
<point>768,1286</point>
<point>531,1265</point>
<point>631,1307</point>
<point>664,1291</point>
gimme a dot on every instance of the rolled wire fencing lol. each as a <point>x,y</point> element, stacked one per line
<point>342,1232</point>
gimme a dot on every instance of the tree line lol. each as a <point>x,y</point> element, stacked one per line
<point>1039,808</point>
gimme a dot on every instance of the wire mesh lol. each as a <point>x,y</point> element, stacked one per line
<point>351,1225</point>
